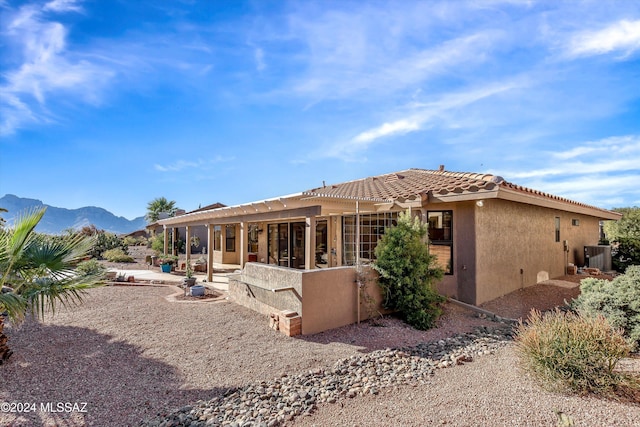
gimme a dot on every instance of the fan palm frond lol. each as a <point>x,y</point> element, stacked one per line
<point>13,304</point>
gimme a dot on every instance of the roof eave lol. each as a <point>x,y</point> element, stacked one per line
<point>556,203</point>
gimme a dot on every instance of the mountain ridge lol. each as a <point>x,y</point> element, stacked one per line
<point>56,219</point>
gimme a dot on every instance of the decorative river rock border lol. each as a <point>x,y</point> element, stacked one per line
<point>271,403</point>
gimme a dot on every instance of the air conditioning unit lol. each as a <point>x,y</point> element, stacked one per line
<point>598,257</point>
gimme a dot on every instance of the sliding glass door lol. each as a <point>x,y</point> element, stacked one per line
<point>286,244</point>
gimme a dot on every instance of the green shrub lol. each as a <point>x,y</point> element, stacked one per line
<point>90,268</point>
<point>168,259</point>
<point>570,351</point>
<point>408,272</point>
<point>106,241</point>
<point>157,244</point>
<point>117,255</point>
<point>625,252</point>
<point>618,300</point>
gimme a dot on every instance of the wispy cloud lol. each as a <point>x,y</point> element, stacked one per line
<point>607,147</point>
<point>47,67</point>
<point>63,6</point>
<point>387,129</point>
<point>199,164</point>
<point>370,66</point>
<point>423,114</point>
<point>258,54</point>
<point>622,36</point>
<point>589,172</point>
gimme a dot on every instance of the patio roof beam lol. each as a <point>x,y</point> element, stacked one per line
<point>257,217</point>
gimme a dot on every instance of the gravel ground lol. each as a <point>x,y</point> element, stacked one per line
<point>130,354</point>
<point>133,355</point>
<point>491,391</point>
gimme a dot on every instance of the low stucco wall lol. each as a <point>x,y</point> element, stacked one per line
<point>331,297</point>
<point>325,298</point>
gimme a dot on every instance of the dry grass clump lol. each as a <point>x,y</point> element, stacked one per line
<point>567,351</point>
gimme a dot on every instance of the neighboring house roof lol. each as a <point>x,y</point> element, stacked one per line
<point>180,213</point>
<point>216,205</point>
<point>413,186</point>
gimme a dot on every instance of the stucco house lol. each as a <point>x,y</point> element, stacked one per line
<point>491,236</point>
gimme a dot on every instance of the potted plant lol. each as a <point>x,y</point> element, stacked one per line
<point>166,262</point>
<point>188,280</point>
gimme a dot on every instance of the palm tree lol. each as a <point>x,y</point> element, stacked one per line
<point>158,206</point>
<point>36,271</point>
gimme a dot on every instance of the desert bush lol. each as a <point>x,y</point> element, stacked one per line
<point>565,350</point>
<point>106,241</point>
<point>116,255</point>
<point>135,241</point>
<point>408,272</point>
<point>90,268</point>
<point>618,300</point>
<point>130,241</point>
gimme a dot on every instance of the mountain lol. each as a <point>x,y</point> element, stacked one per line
<point>56,220</point>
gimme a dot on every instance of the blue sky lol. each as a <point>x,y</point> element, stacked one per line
<point>114,103</point>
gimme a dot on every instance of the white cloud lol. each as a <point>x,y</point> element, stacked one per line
<point>602,173</point>
<point>622,36</point>
<point>63,6</point>
<point>607,147</point>
<point>259,57</point>
<point>199,164</point>
<point>387,129</point>
<point>47,67</point>
<point>371,50</point>
<point>177,166</point>
<point>423,114</point>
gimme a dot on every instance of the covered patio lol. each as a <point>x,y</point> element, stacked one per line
<point>302,231</point>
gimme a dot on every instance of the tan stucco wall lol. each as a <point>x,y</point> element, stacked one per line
<point>325,298</point>
<point>516,247</point>
<point>330,298</point>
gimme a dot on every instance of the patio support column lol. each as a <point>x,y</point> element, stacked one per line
<point>165,233</point>
<point>310,243</point>
<point>337,242</point>
<point>174,241</point>
<point>244,244</point>
<point>187,244</point>
<point>210,246</point>
<point>357,233</point>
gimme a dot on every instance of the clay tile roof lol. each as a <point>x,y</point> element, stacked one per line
<point>542,194</point>
<point>413,183</point>
<point>408,184</point>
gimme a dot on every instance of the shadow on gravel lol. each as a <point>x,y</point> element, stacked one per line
<point>391,332</point>
<point>119,384</point>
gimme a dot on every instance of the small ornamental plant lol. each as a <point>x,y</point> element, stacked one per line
<point>167,259</point>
